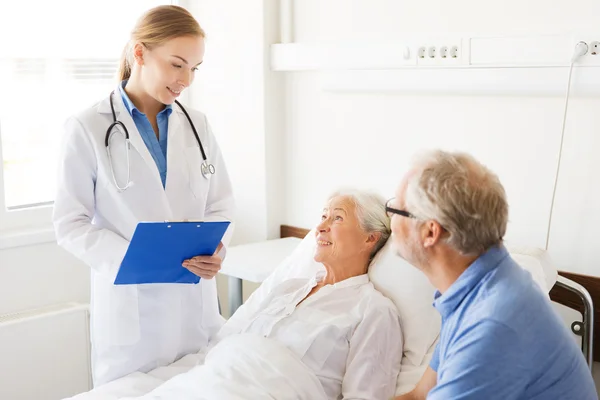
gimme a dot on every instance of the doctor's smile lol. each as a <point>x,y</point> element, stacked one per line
<point>175,93</point>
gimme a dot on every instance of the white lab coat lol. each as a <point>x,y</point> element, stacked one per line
<point>138,327</point>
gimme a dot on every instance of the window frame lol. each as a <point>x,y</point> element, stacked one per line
<point>26,217</point>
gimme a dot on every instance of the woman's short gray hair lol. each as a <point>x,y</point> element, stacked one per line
<point>463,196</point>
<point>370,212</point>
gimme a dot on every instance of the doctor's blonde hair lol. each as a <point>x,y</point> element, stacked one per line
<point>155,27</point>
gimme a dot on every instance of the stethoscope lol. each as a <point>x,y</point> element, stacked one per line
<point>205,167</point>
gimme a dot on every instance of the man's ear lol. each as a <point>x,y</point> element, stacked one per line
<point>431,233</point>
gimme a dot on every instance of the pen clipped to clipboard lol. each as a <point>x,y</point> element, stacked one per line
<point>157,250</point>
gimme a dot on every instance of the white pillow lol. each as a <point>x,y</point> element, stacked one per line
<point>412,294</point>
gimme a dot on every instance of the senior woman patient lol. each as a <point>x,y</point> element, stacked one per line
<point>332,317</point>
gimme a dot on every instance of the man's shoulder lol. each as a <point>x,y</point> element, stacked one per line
<point>509,299</point>
<point>505,292</point>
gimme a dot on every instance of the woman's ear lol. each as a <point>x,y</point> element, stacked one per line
<point>374,237</point>
<point>138,53</point>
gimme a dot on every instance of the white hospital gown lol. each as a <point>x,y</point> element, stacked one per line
<point>347,333</point>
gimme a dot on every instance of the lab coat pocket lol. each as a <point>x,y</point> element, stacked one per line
<point>116,313</point>
<point>199,184</point>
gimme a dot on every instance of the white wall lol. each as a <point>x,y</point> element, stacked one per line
<point>381,19</point>
<point>365,140</point>
<point>239,95</point>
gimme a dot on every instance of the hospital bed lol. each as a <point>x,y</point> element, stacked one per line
<point>404,284</point>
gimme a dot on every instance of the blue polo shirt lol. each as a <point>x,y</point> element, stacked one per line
<point>501,339</point>
<point>156,147</point>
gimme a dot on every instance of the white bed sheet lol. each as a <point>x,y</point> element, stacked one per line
<point>139,384</point>
<point>239,367</point>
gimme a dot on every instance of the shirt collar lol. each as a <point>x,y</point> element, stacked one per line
<point>488,261</point>
<point>354,281</point>
<point>131,107</point>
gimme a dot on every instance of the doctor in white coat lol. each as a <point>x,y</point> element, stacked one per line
<point>142,327</point>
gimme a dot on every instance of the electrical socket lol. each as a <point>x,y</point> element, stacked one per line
<point>439,53</point>
<point>444,52</point>
<point>592,57</point>
<point>454,52</point>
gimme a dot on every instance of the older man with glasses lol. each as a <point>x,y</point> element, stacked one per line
<point>500,337</point>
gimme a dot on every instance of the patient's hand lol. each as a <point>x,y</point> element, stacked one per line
<point>206,267</point>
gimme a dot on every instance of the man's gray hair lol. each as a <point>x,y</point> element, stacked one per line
<point>370,212</point>
<point>463,196</point>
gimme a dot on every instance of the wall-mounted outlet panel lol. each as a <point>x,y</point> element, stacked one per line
<point>440,51</point>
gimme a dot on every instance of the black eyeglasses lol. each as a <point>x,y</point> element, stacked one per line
<point>390,211</point>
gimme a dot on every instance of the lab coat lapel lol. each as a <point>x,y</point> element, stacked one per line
<point>177,174</point>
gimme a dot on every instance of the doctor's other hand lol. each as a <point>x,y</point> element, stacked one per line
<point>206,267</point>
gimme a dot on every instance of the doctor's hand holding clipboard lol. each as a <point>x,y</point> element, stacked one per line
<point>206,267</point>
<point>138,156</point>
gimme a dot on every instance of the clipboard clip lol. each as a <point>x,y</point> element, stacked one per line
<point>184,220</point>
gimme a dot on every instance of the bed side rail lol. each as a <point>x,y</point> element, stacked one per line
<point>585,329</point>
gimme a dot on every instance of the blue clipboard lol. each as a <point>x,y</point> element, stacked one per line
<point>158,249</point>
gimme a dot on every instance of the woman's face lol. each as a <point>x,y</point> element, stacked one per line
<point>168,69</point>
<point>339,235</point>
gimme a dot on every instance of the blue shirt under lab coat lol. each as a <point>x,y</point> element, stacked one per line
<point>156,147</point>
<point>501,339</point>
